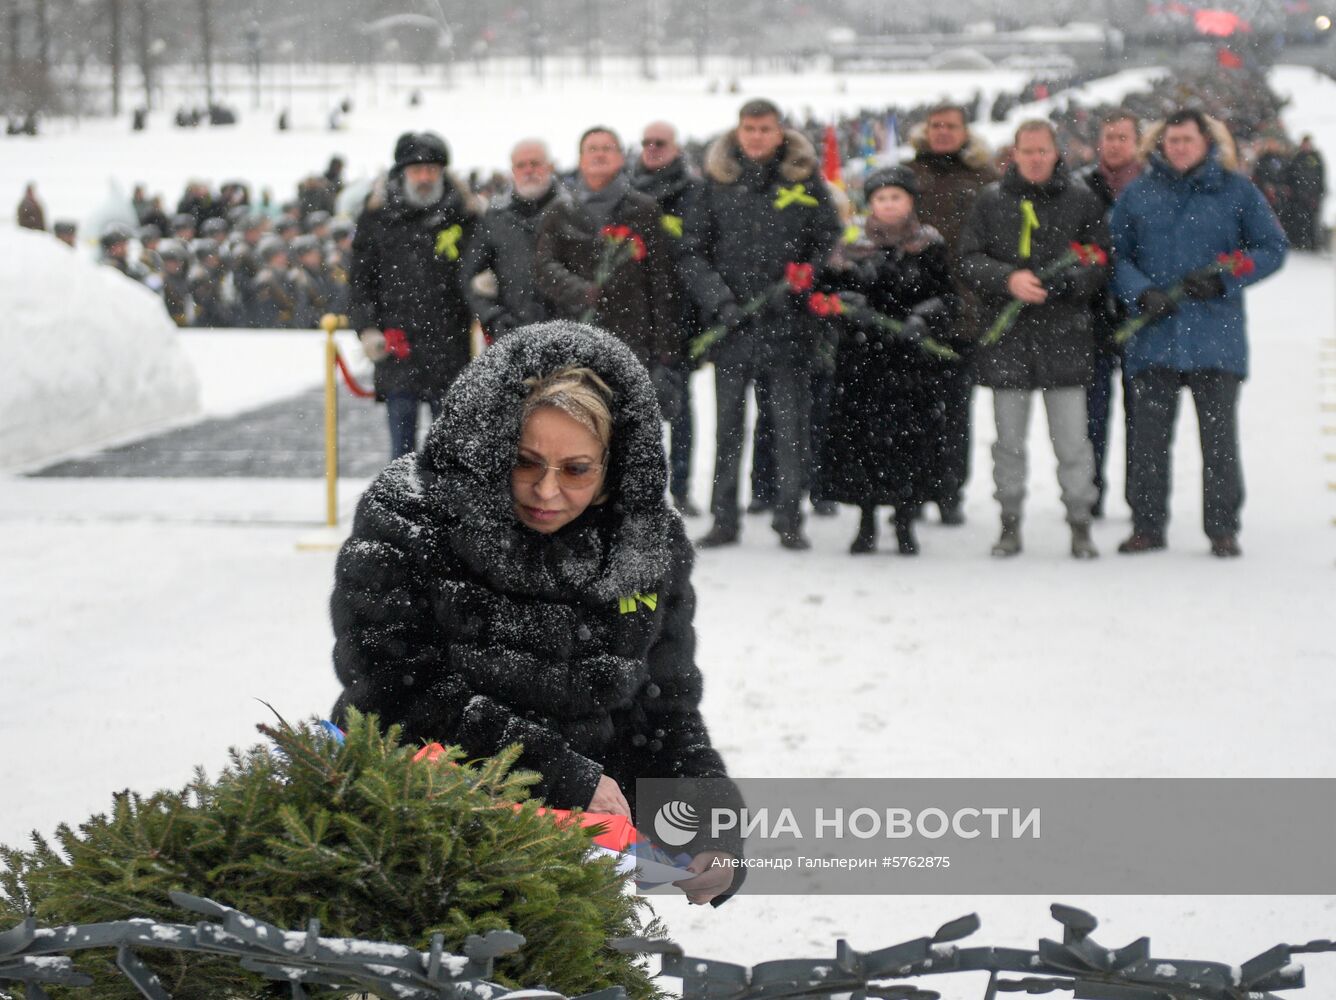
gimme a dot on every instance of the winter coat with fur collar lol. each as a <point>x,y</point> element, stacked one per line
<point>1167,224</point>
<point>454,620</point>
<point>750,220</point>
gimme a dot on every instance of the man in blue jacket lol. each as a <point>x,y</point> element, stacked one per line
<point>1169,229</point>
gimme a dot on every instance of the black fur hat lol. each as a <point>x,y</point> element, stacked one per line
<point>420,147</point>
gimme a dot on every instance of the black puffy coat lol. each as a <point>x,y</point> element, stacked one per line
<point>505,243</point>
<point>886,416</point>
<point>405,275</point>
<point>454,620</point>
<point>737,240</point>
<point>635,302</point>
<point>1050,345</point>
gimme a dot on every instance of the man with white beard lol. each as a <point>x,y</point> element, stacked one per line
<point>504,245</point>
<point>405,292</point>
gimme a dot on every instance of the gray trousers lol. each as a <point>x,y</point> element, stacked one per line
<point>789,404</point>
<point>1066,409</point>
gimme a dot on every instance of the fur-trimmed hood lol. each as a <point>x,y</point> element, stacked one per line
<point>462,478</point>
<point>1225,149</point>
<point>975,154</point>
<point>797,158</point>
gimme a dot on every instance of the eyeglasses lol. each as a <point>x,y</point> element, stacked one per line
<point>573,475</point>
<point>655,143</point>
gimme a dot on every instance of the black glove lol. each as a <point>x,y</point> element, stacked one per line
<point>1204,283</point>
<point>730,316</point>
<point>1156,304</point>
<point>915,328</point>
<point>1059,286</point>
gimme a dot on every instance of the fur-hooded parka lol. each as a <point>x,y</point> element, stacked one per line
<point>1226,151</point>
<point>798,160</point>
<point>458,622</point>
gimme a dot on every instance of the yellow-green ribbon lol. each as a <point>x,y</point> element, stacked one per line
<point>628,605</point>
<point>447,241</point>
<point>672,225</point>
<point>1029,223</point>
<point>796,194</point>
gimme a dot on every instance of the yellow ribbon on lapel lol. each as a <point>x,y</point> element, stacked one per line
<point>672,225</point>
<point>447,241</point>
<point>1029,223</point>
<point>796,194</point>
<point>629,605</point>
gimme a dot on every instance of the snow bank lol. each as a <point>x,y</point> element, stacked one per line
<point>90,354</point>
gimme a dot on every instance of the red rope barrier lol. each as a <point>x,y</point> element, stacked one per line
<point>353,387</point>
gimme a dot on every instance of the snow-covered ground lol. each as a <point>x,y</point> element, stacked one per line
<point>81,169</point>
<point>141,621</point>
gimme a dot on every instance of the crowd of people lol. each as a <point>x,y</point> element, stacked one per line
<point>861,343</point>
<point>223,260</point>
<point>860,336</point>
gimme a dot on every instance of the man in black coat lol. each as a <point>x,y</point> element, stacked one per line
<point>764,207</point>
<point>1117,165</point>
<point>1307,177</point>
<point>625,288</point>
<point>1017,230</point>
<point>405,294</point>
<point>662,173</point>
<point>505,243</point>
<point>952,166</point>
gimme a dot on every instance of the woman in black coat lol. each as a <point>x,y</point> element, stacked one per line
<point>886,415</point>
<point>521,579</point>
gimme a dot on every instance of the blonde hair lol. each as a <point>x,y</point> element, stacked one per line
<point>577,392</point>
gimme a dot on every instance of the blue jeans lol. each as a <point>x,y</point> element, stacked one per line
<point>402,409</point>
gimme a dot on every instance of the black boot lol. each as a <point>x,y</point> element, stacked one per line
<point>867,533</point>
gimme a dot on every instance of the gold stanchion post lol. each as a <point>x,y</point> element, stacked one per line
<point>329,323</point>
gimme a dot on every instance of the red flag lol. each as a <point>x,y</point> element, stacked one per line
<point>1220,23</point>
<point>830,157</point>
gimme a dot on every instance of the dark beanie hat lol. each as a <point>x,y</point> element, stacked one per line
<point>420,147</point>
<point>898,176</point>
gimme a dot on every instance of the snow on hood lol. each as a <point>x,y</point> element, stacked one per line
<point>467,459</point>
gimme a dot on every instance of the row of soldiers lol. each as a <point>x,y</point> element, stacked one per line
<point>257,275</point>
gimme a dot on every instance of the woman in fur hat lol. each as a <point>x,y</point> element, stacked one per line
<point>886,418</point>
<point>522,579</point>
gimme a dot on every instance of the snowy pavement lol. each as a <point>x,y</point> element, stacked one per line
<point>143,619</point>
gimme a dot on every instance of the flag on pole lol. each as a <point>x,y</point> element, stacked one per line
<point>892,141</point>
<point>831,167</point>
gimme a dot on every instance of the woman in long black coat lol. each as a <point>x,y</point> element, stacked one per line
<point>887,414</point>
<point>521,579</point>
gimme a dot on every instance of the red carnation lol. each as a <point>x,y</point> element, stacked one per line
<point>396,343</point>
<point>1089,254</point>
<point>798,276</point>
<point>1237,264</point>
<point>637,247</point>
